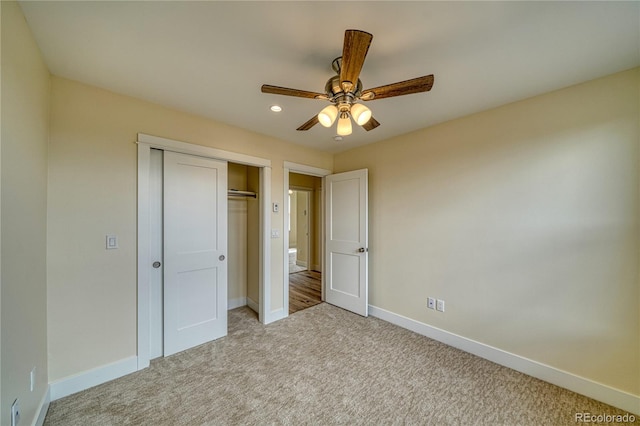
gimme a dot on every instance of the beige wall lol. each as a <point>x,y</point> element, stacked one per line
<point>302,229</point>
<point>25,128</point>
<point>525,220</point>
<point>92,192</point>
<point>293,219</point>
<point>317,226</point>
<point>237,176</point>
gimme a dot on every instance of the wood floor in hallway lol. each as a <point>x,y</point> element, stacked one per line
<point>304,290</point>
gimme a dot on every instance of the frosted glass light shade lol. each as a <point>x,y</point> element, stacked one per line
<point>328,115</point>
<point>344,126</point>
<point>361,114</point>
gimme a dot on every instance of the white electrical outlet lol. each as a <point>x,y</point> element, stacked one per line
<point>15,413</point>
<point>431,303</point>
<point>32,379</point>
<point>440,305</point>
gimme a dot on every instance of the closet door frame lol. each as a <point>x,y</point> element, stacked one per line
<point>145,144</point>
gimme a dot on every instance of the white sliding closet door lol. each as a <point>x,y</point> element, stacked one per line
<point>195,250</point>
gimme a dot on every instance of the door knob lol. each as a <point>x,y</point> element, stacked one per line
<point>221,257</point>
<point>156,264</point>
<point>362,250</point>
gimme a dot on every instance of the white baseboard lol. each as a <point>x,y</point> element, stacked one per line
<point>270,317</point>
<point>236,303</point>
<point>276,315</point>
<point>43,407</point>
<point>253,305</point>
<point>301,263</point>
<point>90,378</point>
<point>564,379</point>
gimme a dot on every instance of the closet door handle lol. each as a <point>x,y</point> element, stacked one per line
<point>221,257</point>
<point>156,264</point>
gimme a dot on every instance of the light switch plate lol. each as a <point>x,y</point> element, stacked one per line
<point>15,413</point>
<point>275,233</point>
<point>32,379</point>
<point>276,207</point>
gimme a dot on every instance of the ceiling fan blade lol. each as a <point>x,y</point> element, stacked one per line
<point>354,51</point>
<point>276,90</point>
<point>309,124</point>
<point>371,124</point>
<point>415,85</point>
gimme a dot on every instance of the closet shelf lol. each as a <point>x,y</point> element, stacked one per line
<point>238,193</point>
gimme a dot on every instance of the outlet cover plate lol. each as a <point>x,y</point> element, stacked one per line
<point>431,303</point>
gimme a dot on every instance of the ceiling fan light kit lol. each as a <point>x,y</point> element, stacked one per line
<point>360,113</point>
<point>328,116</point>
<point>344,124</point>
<point>344,90</point>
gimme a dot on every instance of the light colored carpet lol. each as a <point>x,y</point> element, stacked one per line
<point>322,366</point>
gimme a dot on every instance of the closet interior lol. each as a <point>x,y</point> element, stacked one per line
<point>243,236</point>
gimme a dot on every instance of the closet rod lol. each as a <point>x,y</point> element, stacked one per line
<point>237,193</point>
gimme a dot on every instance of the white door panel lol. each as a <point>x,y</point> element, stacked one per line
<point>195,232</point>
<point>346,276</point>
<point>196,290</point>
<point>346,211</point>
<point>347,241</point>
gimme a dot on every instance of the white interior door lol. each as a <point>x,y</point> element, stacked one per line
<point>346,256</point>
<point>195,249</point>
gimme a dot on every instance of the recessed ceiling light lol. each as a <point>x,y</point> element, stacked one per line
<point>275,108</point>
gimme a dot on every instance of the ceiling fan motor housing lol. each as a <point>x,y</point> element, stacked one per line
<point>333,88</point>
<point>342,100</point>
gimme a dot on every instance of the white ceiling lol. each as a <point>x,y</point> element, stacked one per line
<point>210,58</point>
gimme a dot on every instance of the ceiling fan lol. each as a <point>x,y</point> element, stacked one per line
<point>345,92</point>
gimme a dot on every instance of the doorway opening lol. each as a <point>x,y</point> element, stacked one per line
<point>304,248</point>
<point>300,232</point>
